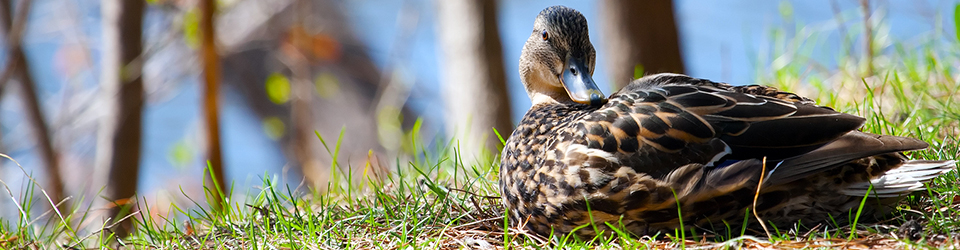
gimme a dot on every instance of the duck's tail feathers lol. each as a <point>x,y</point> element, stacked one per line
<point>907,178</point>
<point>851,146</point>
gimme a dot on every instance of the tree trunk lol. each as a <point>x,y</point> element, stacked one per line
<point>473,76</point>
<point>640,34</point>
<point>211,82</point>
<point>119,137</point>
<point>44,141</point>
<point>19,68</point>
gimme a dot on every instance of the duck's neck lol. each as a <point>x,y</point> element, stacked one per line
<point>545,99</point>
<point>540,90</point>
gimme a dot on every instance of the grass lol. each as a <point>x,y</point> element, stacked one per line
<point>432,198</point>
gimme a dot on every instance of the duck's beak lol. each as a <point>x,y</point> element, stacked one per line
<point>579,84</point>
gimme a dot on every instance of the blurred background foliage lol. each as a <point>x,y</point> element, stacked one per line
<point>368,74</point>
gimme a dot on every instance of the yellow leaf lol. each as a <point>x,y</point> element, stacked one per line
<point>327,85</point>
<point>191,28</point>
<point>273,127</point>
<point>278,88</point>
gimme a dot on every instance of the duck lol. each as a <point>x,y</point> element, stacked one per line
<point>671,152</point>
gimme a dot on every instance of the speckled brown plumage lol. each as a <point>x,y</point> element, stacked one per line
<point>671,139</point>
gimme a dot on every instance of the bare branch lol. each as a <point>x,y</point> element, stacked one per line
<point>211,78</point>
<point>17,67</point>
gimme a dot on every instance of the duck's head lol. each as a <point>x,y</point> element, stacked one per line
<point>557,61</point>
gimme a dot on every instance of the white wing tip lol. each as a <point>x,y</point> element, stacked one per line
<point>902,180</point>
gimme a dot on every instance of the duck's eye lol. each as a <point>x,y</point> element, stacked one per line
<point>544,35</point>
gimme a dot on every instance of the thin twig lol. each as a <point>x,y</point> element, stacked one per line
<point>23,212</point>
<point>474,194</point>
<point>478,222</point>
<point>763,171</point>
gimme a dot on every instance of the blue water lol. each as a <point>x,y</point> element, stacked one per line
<point>721,40</point>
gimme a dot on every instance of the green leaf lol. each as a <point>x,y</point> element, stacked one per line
<point>638,71</point>
<point>786,10</point>
<point>327,85</point>
<point>956,20</point>
<point>191,28</point>
<point>278,88</point>
<point>274,127</point>
<point>180,154</point>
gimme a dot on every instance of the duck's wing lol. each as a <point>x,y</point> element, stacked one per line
<point>685,117</point>
<point>676,114</point>
<point>878,153</point>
